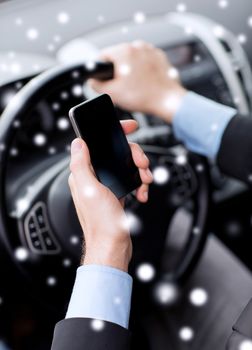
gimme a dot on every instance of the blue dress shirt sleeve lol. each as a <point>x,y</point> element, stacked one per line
<point>200,123</point>
<point>3,346</point>
<point>103,293</point>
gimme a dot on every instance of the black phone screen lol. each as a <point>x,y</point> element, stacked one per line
<point>97,123</point>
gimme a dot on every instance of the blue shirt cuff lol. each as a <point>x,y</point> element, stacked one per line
<point>200,123</point>
<point>103,293</point>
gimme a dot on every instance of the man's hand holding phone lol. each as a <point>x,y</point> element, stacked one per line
<point>101,214</point>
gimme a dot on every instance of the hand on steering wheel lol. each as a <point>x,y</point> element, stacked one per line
<point>144,80</point>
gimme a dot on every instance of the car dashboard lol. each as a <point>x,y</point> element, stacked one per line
<point>207,57</point>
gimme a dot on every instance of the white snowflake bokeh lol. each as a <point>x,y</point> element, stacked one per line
<point>75,74</point>
<point>132,223</point>
<point>181,159</point>
<point>166,293</point>
<point>97,325</point>
<point>90,65</point>
<point>40,139</point>
<point>22,205</point>
<point>55,106</point>
<point>21,254</point>
<point>51,281</point>
<point>139,17</point>
<point>63,17</point>
<point>117,300</point>
<point>214,127</point>
<point>100,18</point>
<point>19,21</point>
<point>64,95</point>
<point>52,150</point>
<point>51,47</point>
<point>145,272</point>
<point>181,7</point>
<point>124,69</point>
<point>242,38</point>
<point>218,31</point>
<point>161,175</point>
<point>89,191</point>
<point>245,345</point>
<point>197,58</point>
<point>67,262</point>
<point>223,4</point>
<point>198,297</point>
<point>173,73</point>
<point>16,124</point>
<point>7,97</point>
<point>32,33</point>
<point>196,230</point>
<point>57,38</point>
<point>77,90</point>
<point>199,168</point>
<point>186,334</point>
<point>74,240</point>
<point>36,67</point>
<point>63,123</point>
<point>188,30</point>
<point>125,29</point>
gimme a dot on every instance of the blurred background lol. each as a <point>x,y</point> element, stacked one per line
<point>192,257</point>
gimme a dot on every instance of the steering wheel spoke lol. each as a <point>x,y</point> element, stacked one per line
<point>29,207</point>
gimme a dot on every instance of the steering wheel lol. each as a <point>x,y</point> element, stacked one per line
<point>38,223</point>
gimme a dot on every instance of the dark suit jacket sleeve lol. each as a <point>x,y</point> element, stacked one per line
<point>235,159</point>
<point>77,334</point>
<point>235,154</point>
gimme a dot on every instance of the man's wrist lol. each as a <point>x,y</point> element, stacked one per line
<point>119,265</point>
<point>117,258</point>
<point>168,102</point>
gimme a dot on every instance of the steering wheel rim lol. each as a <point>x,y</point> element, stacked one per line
<point>29,96</point>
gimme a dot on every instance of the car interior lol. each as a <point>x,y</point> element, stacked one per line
<point>193,236</point>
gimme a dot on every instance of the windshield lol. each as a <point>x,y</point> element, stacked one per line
<point>44,26</point>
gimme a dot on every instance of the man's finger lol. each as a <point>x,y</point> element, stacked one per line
<point>110,53</point>
<point>146,176</point>
<point>142,193</point>
<point>99,86</point>
<point>77,204</point>
<point>80,164</point>
<point>129,126</point>
<point>139,157</point>
<point>141,44</point>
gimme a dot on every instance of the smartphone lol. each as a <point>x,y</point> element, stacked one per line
<point>96,122</point>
